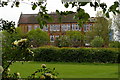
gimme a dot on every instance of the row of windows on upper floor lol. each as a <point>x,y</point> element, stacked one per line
<point>64,27</point>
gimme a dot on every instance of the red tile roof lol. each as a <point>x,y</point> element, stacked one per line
<point>32,18</point>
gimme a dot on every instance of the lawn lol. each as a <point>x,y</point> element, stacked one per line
<point>69,70</point>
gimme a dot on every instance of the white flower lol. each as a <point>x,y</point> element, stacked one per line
<point>22,40</point>
<point>42,77</point>
<point>18,74</point>
<point>54,77</point>
<point>1,69</point>
<point>8,69</point>
<point>48,74</point>
<point>31,46</point>
<point>19,41</point>
<point>15,43</point>
<point>43,65</point>
<point>33,55</point>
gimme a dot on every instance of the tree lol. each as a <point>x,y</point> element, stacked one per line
<point>63,41</point>
<point>37,37</point>
<point>97,42</point>
<point>101,28</point>
<point>76,38</point>
<point>8,39</point>
<point>71,39</point>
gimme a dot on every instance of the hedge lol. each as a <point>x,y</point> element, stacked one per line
<point>76,55</point>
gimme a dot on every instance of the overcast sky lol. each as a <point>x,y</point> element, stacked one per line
<point>13,14</point>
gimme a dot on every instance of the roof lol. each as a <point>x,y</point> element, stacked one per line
<point>32,18</point>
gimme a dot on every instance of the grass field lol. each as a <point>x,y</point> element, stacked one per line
<point>69,70</point>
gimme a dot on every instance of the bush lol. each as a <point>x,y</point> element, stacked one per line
<point>114,44</point>
<point>37,37</point>
<point>97,42</point>
<point>76,55</point>
<point>71,39</point>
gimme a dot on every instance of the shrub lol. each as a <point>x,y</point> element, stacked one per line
<point>97,42</point>
<point>114,44</point>
<point>37,37</point>
<point>71,39</point>
<point>76,55</point>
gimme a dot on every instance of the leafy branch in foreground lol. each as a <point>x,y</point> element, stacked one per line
<point>45,73</point>
<point>6,25</point>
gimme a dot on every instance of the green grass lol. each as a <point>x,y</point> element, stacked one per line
<point>69,70</point>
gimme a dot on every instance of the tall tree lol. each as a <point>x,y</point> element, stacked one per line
<point>37,37</point>
<point>101,28</point>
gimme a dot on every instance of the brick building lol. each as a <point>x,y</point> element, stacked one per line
<point>28,22</point>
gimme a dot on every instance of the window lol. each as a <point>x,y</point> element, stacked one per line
<point>29,27</point>
<point>68,25</point>
<point>85,27</point>
<point>75,27</point>
<point>36,26</point>
<point>56,36</point>
<point>58,27</point>
<point>54,27</point>
<point>63,27</point>
<point>51,38</point>
<point>51,27</point>
<point>45,28</point>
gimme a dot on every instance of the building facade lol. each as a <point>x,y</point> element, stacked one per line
<point>55,28</point>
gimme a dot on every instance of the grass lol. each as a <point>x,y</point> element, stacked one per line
<point>69,70</point>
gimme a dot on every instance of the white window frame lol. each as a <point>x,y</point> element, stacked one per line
<point>58,27</point>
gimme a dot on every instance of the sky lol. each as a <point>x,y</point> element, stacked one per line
<point>13,14</point>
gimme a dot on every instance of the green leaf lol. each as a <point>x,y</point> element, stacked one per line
<point>103,5</point>
<point>104,10</point>
<point>114,13</point>
<point>66,5</point>
<point>118,11</point>
<point>96,4</point>
<point>17,4</point>
<point>34,6</point>
<point>107,15</point>
<point>91,4</point>
<point>57,12</point>
<point>83,3</point>
<point>73,4</point>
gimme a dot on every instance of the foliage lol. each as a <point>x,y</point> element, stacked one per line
<point>76,38</point>
<point>97,42</point>
<point>45,73</point>
<point>71,39</point>
<point>96,4</point>
<point>76,55</point>
<point>37,37</point>
<point>63,41</point>
<point>8,39</point>
<point>100,28</point>
<point>12,76</point>
<point>114,44</point>
<point>21,52</point>
<point>8,26</point>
